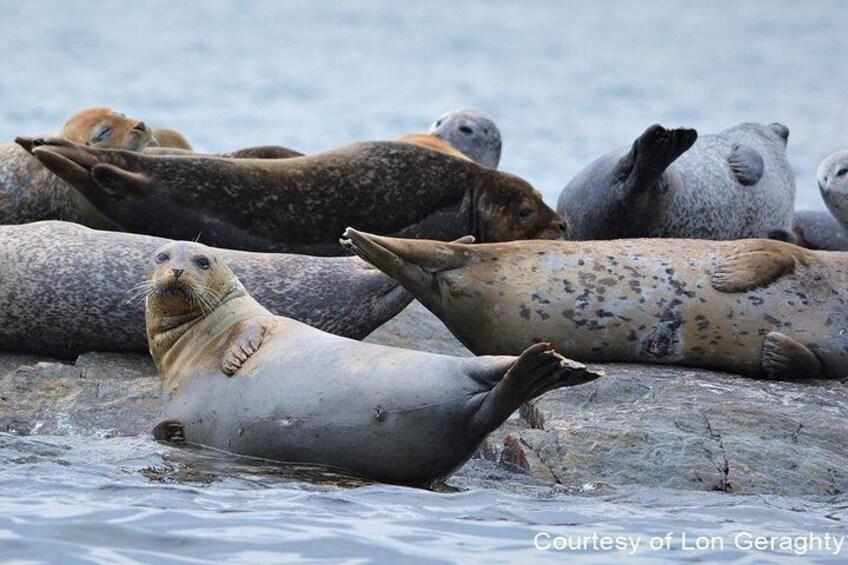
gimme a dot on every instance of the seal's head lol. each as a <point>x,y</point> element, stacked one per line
<point>508,208</point>
<point>185,282</point>
<point>107,128</point>
<point>472,132</point>
<point>832,177</point>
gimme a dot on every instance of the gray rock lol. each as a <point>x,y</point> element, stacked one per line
<point>639,425</point>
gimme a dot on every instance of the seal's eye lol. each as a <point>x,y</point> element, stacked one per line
<point>438,123</point>
<point>202,262</point>
<point>102,136</point>
<point>466,130</point>
<point>525,213</point>
<point>841,172</point>
<point>162,257</point>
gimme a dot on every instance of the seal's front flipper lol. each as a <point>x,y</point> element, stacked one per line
<point>171,431</point>
<point>788,360</point>
<point>538,370</point>
<point>244,339</point>
<point>746,164</point>
<point>120,184</point>
<point>652,153</point>
<point>63,167</point>
<point>755,267</point>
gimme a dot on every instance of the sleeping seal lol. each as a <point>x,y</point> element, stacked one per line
<point>240,379</point>
<point>756,307</point>
<point>66,289</point>
<point>732,185</point>
<point>302,204</point>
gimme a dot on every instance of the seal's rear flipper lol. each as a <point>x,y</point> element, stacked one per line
<point>789,360</point>
<point>652,153</point>
<point>119,183</point>
<point>29,143</point>
<point>538,370</point>
<point>411,262</point>
<point>755,267</point>
<point>746,164</point>
<point>63,167</point>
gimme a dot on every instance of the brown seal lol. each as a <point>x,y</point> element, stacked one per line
<point>29,192</point>
<point>302,204</point>
<point>166,137</point>
<point>756,307</point>
<point>240,379</point>
<point>66,289</point>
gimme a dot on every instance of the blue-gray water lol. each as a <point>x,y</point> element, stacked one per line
<point>565,81</point>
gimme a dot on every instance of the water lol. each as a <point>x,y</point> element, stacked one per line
<point>565,81</point>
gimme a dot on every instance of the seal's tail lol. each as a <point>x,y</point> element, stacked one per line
<point>653,152</point>
<point>538,370</point>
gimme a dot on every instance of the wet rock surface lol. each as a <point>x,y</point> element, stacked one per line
<point>640,425</point>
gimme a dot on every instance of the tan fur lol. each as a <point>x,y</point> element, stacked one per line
<point>126,133</point>
<point>433,142</point>
<point>171,138</point>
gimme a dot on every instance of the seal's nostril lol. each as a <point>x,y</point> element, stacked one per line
<point>466,130</point>
<point>141,126</point>
<point>177,272</point>
<point>563,226</point>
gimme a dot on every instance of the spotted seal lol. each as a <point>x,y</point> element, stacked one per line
<point>756,307</point>
<point>732,185</point>
<point>472,132</point>
<point>240,379</point>
<point>302,204</point>
<point>832,177</point>
<point>66,289</point>
<point>818,229</point>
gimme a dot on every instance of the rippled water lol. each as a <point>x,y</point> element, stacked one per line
<point>565,81</point>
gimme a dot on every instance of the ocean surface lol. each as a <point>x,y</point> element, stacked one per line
<point>565,81</point>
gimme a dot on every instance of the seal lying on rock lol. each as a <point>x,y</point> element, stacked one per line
<point>816,229</point>
<point>29,192</point>
<point>732,185</point>
<point>66,289</point>
<point>756,307</point>
<point>302,204</point>
<point>240,379</point>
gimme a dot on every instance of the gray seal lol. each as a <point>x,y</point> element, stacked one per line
<point>66,289</point>
<point>815,229</point>
<point>302,204</point>
<point>760,307</point>
<point>473,133</point>
<point>732,185</point>
<point>240,379</point>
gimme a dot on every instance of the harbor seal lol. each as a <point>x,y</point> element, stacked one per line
<point>238,378</point>
<point>302,204</point>
<point>66,289</point>
<point>166,137</point>
<point>29,192</point>
<point>732,185</point>
<point>762,308</point>
<point>473,133</point>
<point>816,229</point>
<point>832,177</point>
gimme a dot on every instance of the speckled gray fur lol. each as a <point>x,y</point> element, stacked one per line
<point>697,196</point>
<point>815,229</point>
<point>832,177</point>
<point>473,132</point>
<point>65,289</point>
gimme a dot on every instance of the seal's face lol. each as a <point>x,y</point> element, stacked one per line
<point>107,128</point>
<point>832,178</point>
<point>472,132</point>
<point>186,278</point>
<point>511,209</point>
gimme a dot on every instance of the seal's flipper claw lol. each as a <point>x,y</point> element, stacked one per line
<point>789,360</point>
<point>747,164</point>
<point>537,370</point>
<point>119,183</point>
<point>171,431</point>
<point>741,272</point>
<point>244,340</point>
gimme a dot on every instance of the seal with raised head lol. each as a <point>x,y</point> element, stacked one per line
<point>818,229</point>
<point>832,177</point>
<point>755,307</point>
<point>472,132</point>
<point>66,289</point>
<point>29,192</point>
<point>240,379</point>
<point>732,185</point>
<point>302,204</point>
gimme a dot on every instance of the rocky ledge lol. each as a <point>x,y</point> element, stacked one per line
<point>639,425</point>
